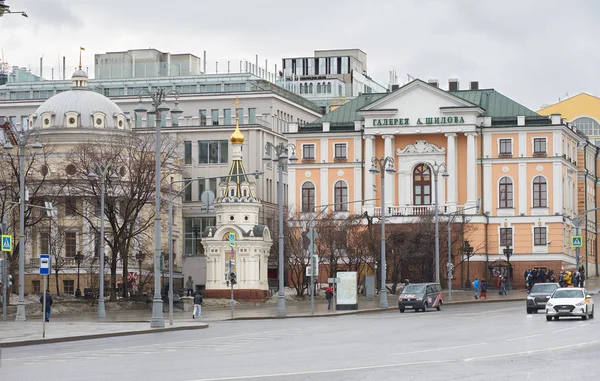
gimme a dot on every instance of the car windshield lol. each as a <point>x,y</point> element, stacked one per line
<point>565,294</point>
<point>414,289</point>
<point>544,288</point>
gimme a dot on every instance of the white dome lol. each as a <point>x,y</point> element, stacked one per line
<point>79,108</point>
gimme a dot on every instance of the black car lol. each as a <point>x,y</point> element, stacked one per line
<point>539,295</point>
<point>421,296</point>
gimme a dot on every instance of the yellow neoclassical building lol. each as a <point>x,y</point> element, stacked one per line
<point>582,110</point>
<point>515,177</point>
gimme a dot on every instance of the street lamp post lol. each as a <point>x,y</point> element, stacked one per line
<point>21,138</point>
<point>381,166</point>
<point>78,258</point>
<point>102,173</point>
<point>281,158</point>
<point>139,256</point>
<point>508,253</point>
<point>468,251</point>
<point>435,168</point>
<point>158,107</point>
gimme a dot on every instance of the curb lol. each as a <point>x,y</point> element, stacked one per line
<point>366,311</point>
<point>13,344</point>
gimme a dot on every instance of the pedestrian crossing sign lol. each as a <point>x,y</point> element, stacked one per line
<point>577,241</point>
<point>6,243</point>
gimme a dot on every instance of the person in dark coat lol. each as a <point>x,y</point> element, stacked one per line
<point>48,305</point>
<point>329,296</point>
<point>197,305</point>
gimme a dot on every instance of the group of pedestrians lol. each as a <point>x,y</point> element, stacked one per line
<point>565,278</point>
<point>570,279</point>
<point>480,288</point>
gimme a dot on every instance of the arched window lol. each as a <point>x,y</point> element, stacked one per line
<point>328,87</point>
<point>588,126</point>
<point>422,185</point>
<point>308,197</point>
<point>340,191</point>
<point>318,88</point>
<point>505,193</point>
<point>301,89</point>
<point>540,192</point>
<point>310,88</point>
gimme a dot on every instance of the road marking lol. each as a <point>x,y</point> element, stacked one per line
<point>438,349</point>
<point>524,337</point>
<point>564,329</point>
<point>531,351</point>
<point>309,372</point>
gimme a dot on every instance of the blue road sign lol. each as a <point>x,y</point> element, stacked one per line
<point>577,241</point>
<point>44,264</point>
<point>6,243</point>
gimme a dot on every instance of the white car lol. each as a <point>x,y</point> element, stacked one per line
<point>570,302</point>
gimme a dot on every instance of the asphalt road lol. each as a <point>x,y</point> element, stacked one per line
<point>495,341</point>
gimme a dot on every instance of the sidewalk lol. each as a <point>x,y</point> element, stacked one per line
<point>121,323</point>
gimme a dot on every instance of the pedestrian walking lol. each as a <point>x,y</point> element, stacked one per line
<point>329,296</point>
<point>190,286</point>
<point>483,288</point>
<point>502,285</point>
<point>476,287</point>
<point>197,306</point>
<point>48,305</point>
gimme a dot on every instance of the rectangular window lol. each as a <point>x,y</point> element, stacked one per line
<point>187,152</point>
<point>24,123</point>
<point>227,117</point>
<point>213,151</point>
<point>68,286</point>
<point>506,237</point>
<point>201,188</point>
<point>539,236</point>
<point>97,244</point>
<point>163,119</point>
<point>539,146</point>
<point>35,285</point>
<point>340,150</point>
<point>187,193</point>
<point>505,147</point>
<point>240,115</point>
<point>308,152</point>
<point>44,243</point>
<point>203,117</point>
<point>212,185</point>
<point>214,114</point>
<point>251,116</point>
<point>70,244</point>
<point>71,206</point>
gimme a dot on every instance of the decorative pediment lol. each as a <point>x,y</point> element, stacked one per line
<point>420,147</point>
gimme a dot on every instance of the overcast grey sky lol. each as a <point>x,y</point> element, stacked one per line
<point>534,51</point>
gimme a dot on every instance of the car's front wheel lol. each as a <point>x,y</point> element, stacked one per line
<point>439,306</point>
<point>548,318</point>
<point>424,307</point>
<point>401,310</point>
<point>529,310</point>
<point>592,314</point>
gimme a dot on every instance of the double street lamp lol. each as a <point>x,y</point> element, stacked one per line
<point>468,252</point>
<point>381,166</point>
<point>21,138</point>
<point>101,173</point>
<point>435,168</point>
<point>281,157</point>
<point>158,108</point>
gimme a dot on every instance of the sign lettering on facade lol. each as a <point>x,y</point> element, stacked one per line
<point>425,120</point>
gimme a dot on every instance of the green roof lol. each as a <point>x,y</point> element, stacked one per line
<point>347,113</point>
<point>496,104</point>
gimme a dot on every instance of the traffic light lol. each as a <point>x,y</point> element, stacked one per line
<point>233,278</point>
<point>9,281</point>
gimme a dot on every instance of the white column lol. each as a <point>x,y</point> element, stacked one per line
<point>291,188</point>
<point>452,172</point>
<point>557,189</point>
<point>389,180</point>
<point>369,178</point>
<point>324,184</point>
<point>471,170</point>
<point>522,186</point>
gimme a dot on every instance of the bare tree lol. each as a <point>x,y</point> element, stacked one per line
<point>132,158</point>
